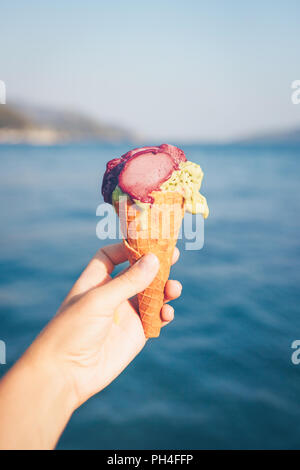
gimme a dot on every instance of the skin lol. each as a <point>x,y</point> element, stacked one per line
<point>95,334</point>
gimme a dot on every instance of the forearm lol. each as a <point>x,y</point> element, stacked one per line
<point>35,404</point>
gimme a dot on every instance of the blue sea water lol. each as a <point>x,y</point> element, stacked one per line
<point>220,376</point>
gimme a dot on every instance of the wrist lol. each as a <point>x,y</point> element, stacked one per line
<point>48,370</point>
<point>35,404</point>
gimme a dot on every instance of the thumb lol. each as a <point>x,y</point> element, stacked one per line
<point>131,282</point>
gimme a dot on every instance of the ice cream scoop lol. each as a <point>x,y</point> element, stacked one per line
<point>114,168</point>
<point>145,173</point>
<point>143,170</point>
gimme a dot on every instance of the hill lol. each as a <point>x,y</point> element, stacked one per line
<point>291,136</point>
<point>28,124</point>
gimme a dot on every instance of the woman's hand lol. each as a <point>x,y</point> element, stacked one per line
<point>93,337</point>
<point>97,331</point>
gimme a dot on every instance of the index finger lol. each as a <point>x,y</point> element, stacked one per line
<point>99,269</point>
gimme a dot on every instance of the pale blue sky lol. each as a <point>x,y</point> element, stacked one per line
<point>168,69</point>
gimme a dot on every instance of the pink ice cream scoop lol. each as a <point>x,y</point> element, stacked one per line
<point>141,171</point>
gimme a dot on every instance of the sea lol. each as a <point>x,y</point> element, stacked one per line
<point>224,374</point>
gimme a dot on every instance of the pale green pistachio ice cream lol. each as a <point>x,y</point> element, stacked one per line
<point>187,181</point>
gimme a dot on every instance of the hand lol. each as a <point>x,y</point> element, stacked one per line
<point>97,331</point>
<point>93,337</point>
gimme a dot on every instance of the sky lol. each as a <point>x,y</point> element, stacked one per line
<point>168,69</point>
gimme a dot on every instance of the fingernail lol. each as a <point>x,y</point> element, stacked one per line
<point>149,261</point>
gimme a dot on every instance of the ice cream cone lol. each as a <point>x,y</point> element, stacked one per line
<point>152,231</point>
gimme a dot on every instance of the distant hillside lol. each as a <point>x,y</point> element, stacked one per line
<point>24,123</point>
<point>12,119</point>
<point>288,136</point>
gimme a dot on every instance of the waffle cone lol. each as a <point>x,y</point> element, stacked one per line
<point>156,233</point>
